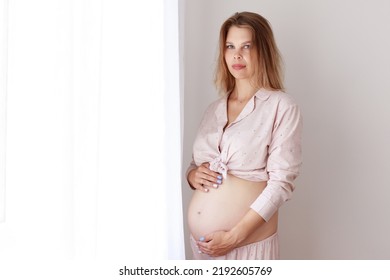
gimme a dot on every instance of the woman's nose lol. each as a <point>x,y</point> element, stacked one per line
<point>237,55</point>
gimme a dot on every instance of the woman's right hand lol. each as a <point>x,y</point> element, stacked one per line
<point>202,178</point>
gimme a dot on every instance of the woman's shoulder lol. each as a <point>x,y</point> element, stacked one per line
<point>215,104</point>
<point>282,98</point>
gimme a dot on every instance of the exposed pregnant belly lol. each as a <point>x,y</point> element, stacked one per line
<point>223,208</point>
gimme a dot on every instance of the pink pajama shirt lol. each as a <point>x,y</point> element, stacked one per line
<point>262,144</point>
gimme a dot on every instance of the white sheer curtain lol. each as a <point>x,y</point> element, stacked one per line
<point>93,130</point>
<point>3,90</point>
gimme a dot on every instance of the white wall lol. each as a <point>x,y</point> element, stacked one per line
<point>337,68</point>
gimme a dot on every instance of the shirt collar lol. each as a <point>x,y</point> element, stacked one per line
<point>221,110</point>
<point>263,94</point>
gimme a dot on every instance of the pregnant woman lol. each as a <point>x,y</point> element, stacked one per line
<point>247,152</point>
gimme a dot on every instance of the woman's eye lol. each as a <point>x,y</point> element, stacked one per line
<point>229,46</point>
<point>247,46</point>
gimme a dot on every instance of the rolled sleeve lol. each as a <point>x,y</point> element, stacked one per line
<point>283,163</point>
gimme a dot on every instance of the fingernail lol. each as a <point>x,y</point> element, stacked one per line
<point>219,177</point>
<point>219,182</point>
<point>201,238</point>
<point>215,185</point>
<point>206,190</point>
<point>200,252</point>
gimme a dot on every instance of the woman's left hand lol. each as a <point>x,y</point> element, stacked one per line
<point>217,244</point>
<point>221,242</point>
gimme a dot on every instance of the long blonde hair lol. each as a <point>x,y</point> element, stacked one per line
<point>268,71</point>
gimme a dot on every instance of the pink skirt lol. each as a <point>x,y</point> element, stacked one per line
<point>267,249</point>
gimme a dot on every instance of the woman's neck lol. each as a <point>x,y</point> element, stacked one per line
<point>243,91</point>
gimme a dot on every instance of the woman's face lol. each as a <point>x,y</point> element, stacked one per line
<point>239,53</point>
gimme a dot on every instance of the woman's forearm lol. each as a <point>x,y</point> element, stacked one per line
<point>247,225</point>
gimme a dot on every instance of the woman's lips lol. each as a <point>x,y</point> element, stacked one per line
<point>238,66</point>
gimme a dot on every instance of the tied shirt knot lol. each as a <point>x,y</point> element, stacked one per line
<point>217,165</point>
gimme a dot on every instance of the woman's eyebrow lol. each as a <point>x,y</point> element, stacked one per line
<point>244,43</point>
